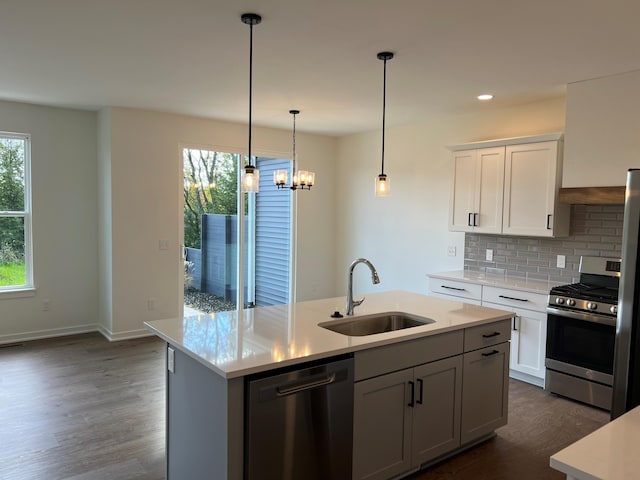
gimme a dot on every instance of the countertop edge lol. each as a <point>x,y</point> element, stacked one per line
<point>382,340</point>
<point>513,283</point>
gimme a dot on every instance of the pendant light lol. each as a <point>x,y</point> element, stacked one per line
<point>299,178</point>
<point>383,186</point>
<point>250,174</point>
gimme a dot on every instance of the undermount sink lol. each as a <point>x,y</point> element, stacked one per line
<point>376,323</point>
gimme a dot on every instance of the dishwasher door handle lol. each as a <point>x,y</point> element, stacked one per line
<point>291,389</point>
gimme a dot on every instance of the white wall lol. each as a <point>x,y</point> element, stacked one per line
<point>135,172</point>
<point>146,175</point>
<point>63,161</point>
<point>603,126</point>
<point>406,234</point>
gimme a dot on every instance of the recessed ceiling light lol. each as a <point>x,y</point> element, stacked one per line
<point>486,96</point>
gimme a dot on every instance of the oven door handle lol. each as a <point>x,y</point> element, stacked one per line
<point>589,317</point>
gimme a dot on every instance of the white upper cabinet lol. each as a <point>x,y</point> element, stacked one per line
<point>509,186</point>
<point>477,195</point>
<point>533,177</point>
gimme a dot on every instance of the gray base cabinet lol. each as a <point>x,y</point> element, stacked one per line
<point>417,418</point>
<point>407,417</point>
<point>484,404</point>
<point>382,426</point>
<point>436,416</point>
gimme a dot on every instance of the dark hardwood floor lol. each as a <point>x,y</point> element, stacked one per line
<point>83,408</point>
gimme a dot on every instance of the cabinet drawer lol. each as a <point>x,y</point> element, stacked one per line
<point>486,335</point>
<point>388,358</point>
<point>464,290</point>
<point>515,298</point>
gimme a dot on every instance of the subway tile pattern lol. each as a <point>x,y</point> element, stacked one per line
<point>596,230</point>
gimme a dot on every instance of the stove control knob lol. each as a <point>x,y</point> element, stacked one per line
<point>571,302</point>
<point>592,305</point>
<point>614,309</point>
<point>560,300</point>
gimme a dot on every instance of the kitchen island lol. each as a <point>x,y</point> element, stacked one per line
<point>210,358</point>
<point>609,453</point>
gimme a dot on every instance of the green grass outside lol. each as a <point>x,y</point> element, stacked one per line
<point>12,274</point>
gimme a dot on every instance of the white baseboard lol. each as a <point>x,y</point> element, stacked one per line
<point>128,335</point>
<point>63,332</point>
<point>525,377</point>
<point>50,333</point>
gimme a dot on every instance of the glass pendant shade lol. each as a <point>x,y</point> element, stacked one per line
<point>311,179</point>
<point>250,179</point>
<point>280,178</point>
<point>383,185</point>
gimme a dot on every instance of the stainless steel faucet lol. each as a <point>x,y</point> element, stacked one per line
<point>374,278</point>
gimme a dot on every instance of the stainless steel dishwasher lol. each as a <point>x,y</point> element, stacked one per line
<point>299,423</point>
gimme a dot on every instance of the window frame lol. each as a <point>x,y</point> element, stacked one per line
<point>28,288</point>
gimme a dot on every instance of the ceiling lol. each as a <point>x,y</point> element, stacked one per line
<point>319,56</point>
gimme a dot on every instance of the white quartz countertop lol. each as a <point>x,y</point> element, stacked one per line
<point>609,453</point>
<point>517,283</point>
<point>238,343</point>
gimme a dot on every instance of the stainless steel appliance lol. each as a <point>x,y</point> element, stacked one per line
<point>581,327</point>
<point>300,423</point>
<point>626,375</point>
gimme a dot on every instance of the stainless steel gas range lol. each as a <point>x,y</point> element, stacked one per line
<point>581,329</point>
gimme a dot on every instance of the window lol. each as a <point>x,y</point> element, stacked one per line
<point>16,272</point>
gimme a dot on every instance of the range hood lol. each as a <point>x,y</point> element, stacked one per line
<point>592,195</point>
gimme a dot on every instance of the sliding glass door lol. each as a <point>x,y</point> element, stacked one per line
<point>211,240</point>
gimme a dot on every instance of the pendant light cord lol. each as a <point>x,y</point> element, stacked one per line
<point>384,109</point>
<point>294,144</point>
<point>250,83</point>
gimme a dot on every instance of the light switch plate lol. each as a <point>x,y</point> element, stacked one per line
<point>489,255</point>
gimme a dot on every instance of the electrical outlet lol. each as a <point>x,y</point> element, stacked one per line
<point>171,360</point>
<point>561,262</point>
<point>151,304</point>
<point>489,255</point>
<point>46,305</point>
<point>451,251</point>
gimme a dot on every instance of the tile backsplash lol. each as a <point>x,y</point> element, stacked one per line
<point>596,230</point>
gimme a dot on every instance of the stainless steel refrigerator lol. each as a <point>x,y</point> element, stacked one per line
<point>626,370</point>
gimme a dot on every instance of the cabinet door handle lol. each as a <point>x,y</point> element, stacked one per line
<point>514,298</point>
<point>514,324</point>
<point>548,222</point>
<point>469,220</point>
<point>489,335</point>
<point>488,354</point>
<point>413,393</point>
<point>421,383</point>
<point>475,219</point>
<point>453,288</point>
